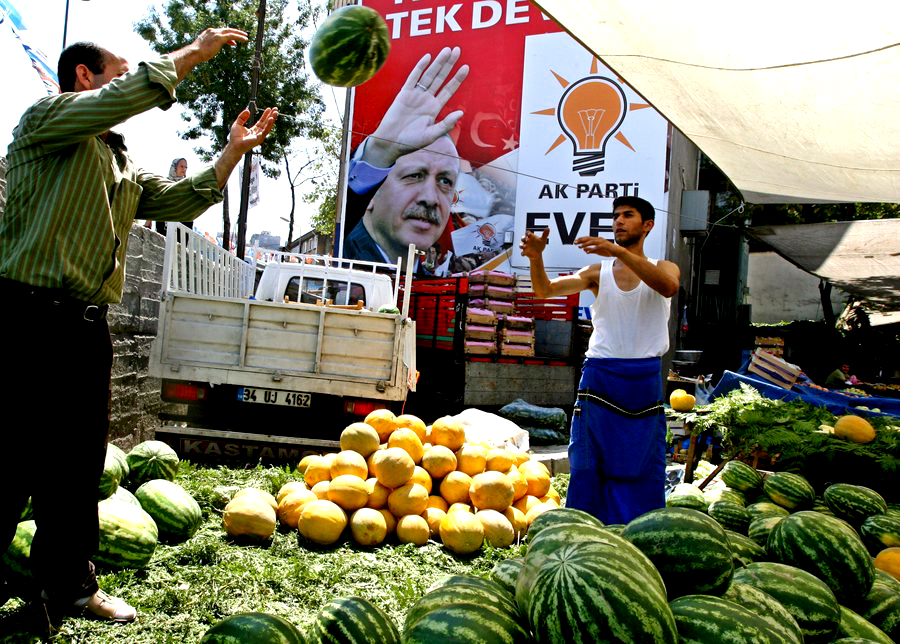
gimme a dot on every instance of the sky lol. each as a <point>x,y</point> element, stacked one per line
<point>152,137</point>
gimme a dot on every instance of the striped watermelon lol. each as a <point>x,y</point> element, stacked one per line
<point>113,474</point>
<point>893,509</point>
<point>881,607</point>
<point>151,460</point>
<point>854,503</point>
<point>259,628</point>
<point>806,597</point>
<point>790,491</point>
<point>827,548</point>
<point>352,620</point>
<point>560,516</point>
<point>702,619</point>
<point>350,46</point>
<point>724,494</point>
<point>767,608</point>
<point>122,494</point>
<point>461,594</point>
<point>128,535</point>
<point>766,509</point>
<point>27,511</point>
<point>819,505</point>
<point>685,495</point>
<point>119,455</point>
<point>176,513</point>
<point>730,515</point>
<point>759,529</point>
<point>743,549</point>
<point>16,569</point>
<point>475,623</point>
<point>506,573</point>
<point>880,531</point>
<point>740,476</point>
<point>688,548</point>
<point>489,586</point>
<point>615,528</point>
<point>590,591</point>
<point>853,625</point>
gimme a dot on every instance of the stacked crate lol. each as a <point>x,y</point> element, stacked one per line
<point>493,290</point>
<point>480,332</point>
<point>516,337</point>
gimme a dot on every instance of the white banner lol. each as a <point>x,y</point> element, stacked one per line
<point>586,138</point>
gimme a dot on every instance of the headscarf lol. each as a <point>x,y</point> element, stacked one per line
<point>173,168</point>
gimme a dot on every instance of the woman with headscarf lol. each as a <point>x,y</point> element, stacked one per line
<point>177,172</point>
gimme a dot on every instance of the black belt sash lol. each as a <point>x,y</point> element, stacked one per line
<point>653,410</point>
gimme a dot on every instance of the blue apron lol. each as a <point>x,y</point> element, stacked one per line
<point>618,461</point>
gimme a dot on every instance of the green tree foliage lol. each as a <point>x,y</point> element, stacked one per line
<point>324,180</point>
<point>216,91</point>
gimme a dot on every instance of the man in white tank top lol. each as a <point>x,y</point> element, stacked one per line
<point>617,449</point>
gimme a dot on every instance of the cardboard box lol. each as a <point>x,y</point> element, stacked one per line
<point>773,369</point>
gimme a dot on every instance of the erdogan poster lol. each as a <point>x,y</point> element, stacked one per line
<point>539,134</point>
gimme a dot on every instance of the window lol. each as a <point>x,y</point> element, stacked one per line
<point>338,291</point>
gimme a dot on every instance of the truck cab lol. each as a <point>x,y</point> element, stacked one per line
<point>313,283</point>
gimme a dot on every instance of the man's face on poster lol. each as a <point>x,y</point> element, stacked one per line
<point>413,204</point>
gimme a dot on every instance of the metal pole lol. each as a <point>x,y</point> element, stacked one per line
<point>254,86</point>
<point>66,25</point>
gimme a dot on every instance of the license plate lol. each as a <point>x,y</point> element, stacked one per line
<point>273,397</point>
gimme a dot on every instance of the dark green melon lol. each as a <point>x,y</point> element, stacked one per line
<point>176,513</point>
<point>767,608</point>
<point>740,476</point>
<point>743,549</point>
<point>128,535</point>
<point>506,573</point>
<point>881,607</point>
<point>460,594</point>
<point>853,625</point>
<point>151,460</point>
<point>475,623</point>
<point>854,503</point>
<point>259,628</point>
<point>880,531</point>
<point>350,46</point>
<point>730,515</point>
<point>702,619</point>
<point>352,620</point>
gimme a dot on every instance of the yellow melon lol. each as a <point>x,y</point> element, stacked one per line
<point>499,460</point>
<point>411,498</point>
<point>471,459</point>
<point>448,432</point>
<point>248,517</point>
<point>517,518</point>
<point>407,440</point>
<point>526,503</point>
<point>322,522</point>
<point>318,470</point>
<point>305,461</point>
<point>553,494</point>
<point>422,477</point>
<point>461,532</point>
<point>348,491</point>
<point>360,438</point>
<point>349,462</point>
<point>498,531</point>
<point>414,423</point>
<point>328,459</point>
<point>537,510</point>
<point>413,529</point>
<point>378,494</point>
<point>491,491</point>
<point>389,520</point>
<point>383,421</point>
<point>256,493</point>
<point>438,502</point>
<point>288,488</point>
<point>549,499</point>
<point>373,459</point>
<point>459,507</point>
<point>455,487</point>
<point>290,506</point>
<point>394,467</point>
<point>537,476</point>
<point>438,461</point>
<point>520,485</point>
<point>320,489</point>
<point>680,400</point>
<point>368,527</point>
<point>520,457</point>
<point>855,429</point>
<point>888,560</point>
<point>433,517</point>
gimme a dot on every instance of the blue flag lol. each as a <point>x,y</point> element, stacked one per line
<point>12,20</point>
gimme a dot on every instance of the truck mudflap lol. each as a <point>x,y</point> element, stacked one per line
<point>201,445</point>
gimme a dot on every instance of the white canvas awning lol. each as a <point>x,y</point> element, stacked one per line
<point>794,101</point>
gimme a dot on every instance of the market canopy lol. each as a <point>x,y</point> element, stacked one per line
<point>793,102</point>
<point>860,257</point>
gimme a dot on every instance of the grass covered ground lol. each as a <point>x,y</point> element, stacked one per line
<point>189,587</point>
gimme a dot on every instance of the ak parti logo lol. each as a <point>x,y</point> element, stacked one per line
<point>590,112</point>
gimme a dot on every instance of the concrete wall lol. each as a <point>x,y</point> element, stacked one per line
<point>132,325</point>
<point>779,291</point>
<point>492,383</point>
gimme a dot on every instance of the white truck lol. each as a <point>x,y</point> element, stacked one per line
<point>270,371</point>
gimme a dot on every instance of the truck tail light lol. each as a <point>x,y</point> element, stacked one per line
<point>182,392</point>
<point>362,407</point>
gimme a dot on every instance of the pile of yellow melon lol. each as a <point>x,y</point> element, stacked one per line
<point>395,475</point>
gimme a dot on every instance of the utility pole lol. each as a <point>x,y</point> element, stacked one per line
<point>254,86</point>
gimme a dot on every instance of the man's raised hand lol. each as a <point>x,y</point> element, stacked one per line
<point>210,41</point>
<point>532,246</point>
<point>242,138</point>
<point>598,246</point>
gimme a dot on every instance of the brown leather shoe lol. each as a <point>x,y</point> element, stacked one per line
<point>105,607</point>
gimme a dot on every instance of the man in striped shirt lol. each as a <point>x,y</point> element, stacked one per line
<point>73,194</point>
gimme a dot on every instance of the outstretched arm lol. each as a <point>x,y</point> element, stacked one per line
<point>663,277</point>
<point>243,139</point>
<point>532,247</point>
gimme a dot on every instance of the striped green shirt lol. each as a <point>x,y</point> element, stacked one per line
<point>72,196</point>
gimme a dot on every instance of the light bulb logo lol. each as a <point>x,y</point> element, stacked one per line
<point>590,111</point>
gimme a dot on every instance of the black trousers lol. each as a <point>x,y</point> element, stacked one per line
<point>56,381</point>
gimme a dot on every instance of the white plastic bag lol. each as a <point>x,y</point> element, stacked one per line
<point>496,431</point>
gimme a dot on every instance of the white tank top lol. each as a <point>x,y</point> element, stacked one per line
<point>628,324</point>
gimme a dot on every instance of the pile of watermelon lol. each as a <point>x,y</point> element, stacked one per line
<point>131,523</point>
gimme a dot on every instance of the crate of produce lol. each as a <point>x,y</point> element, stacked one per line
<point>480,347</point>
<point>518,322</point>
<point>497,278</point>
<point>517,336</point>
<point>477,290</point>
<point>481,316</point>
<point>500,306</point>
<point>773,369</point>
<point>481,332</point>
<point>510,349</point>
